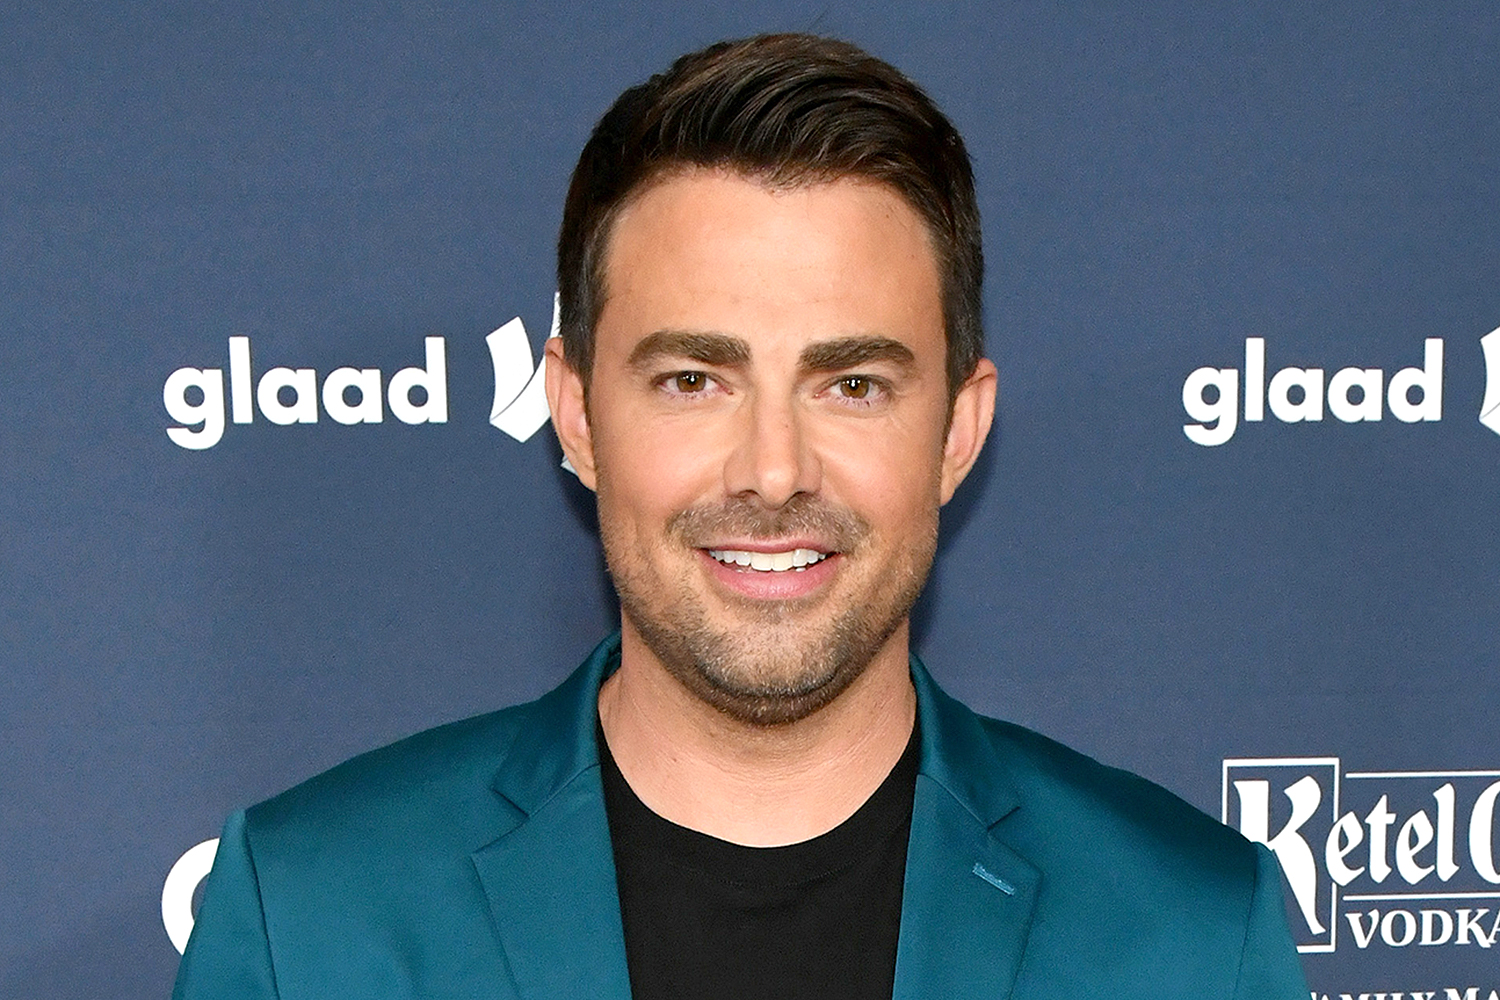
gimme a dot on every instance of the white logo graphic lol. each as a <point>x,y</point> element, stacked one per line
<point>1352,395</point>
<point>1489,410</point>
<point>290,395</point>
<point>1342,836</point>
<point>194,397</point>
<point>177,894</point>
<point>520,406</point>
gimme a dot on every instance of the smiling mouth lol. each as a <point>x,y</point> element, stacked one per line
<point>794,560</point>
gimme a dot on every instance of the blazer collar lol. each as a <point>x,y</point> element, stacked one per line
<point>550,877</point>
<point>958,755</point>
<point>556,740</point>
<point>556,744</point>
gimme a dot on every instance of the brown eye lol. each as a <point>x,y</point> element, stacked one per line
<point>690,381</point>
<point>855,387</point>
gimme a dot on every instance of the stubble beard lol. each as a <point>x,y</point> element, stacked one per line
<point>768,663</point>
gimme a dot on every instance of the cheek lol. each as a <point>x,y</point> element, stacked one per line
<point>888,476</point>
<point>647,472</point>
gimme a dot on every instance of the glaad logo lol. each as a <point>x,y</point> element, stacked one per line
<point>1489,410</point>
<point>520,406</point>
<point>1341,836</point>
<point>290,395</point>
<point>1211,395</point>
<point>194,397</point>
<point>177,893</point>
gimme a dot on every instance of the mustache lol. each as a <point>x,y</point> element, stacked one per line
<point>836,528</point>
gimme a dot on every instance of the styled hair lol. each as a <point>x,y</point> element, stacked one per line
<point>784,110</point>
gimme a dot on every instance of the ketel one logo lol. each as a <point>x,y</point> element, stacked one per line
<point>1378,858</point>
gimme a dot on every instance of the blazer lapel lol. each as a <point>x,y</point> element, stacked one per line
<point>550,878</point>
<point>968,898</point>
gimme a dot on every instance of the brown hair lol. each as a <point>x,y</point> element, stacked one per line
<point>784,110</point>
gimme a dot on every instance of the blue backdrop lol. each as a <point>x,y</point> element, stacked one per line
<point>187,630</point>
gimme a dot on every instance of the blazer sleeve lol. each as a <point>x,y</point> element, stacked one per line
<point>228,955</point>
<point>1269,966</point>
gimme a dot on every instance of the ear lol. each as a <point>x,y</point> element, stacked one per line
<point>570,416</point>
<point>973,412</point>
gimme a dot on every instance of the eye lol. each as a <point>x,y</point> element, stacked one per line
<point>685,383</point>
<point>860,392</point>
<point>855,387</point>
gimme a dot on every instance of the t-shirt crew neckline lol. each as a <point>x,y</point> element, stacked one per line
<point>789,865</point>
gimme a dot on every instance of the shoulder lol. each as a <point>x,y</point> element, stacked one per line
<point>1074,807</point>
<point>430,794</point>
<point>443,784</point>
<point>1136,884</point>
<point>432,768</point>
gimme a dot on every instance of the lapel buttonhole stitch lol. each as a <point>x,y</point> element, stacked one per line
<point>993,879</point>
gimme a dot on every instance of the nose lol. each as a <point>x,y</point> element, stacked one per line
<point>772,459</point>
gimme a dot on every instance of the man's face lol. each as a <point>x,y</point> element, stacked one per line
<point>766,429</point>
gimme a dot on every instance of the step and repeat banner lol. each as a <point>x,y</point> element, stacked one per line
<point>277,486</point>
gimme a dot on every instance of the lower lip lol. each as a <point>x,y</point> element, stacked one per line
<point>771,586</point>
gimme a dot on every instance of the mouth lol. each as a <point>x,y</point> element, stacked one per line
<point>792,560</point>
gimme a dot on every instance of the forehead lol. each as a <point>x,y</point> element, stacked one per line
<point>716,251</point>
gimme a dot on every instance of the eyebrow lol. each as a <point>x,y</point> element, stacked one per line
<point>724,351</point>
<point>715,349</point>
<point>851,352</point>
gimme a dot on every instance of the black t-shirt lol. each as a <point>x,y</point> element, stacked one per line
<point>707,918</point>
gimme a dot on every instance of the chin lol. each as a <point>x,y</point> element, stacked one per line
<point>796,681</point>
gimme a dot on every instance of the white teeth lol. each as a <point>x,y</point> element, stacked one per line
<point>769,562</point>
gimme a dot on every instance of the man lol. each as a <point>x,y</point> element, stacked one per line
<point>771,375</point>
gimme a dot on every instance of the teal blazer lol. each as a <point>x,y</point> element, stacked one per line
<point>474,861</point>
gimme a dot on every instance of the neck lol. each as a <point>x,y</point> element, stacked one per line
<point>760,786</point>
